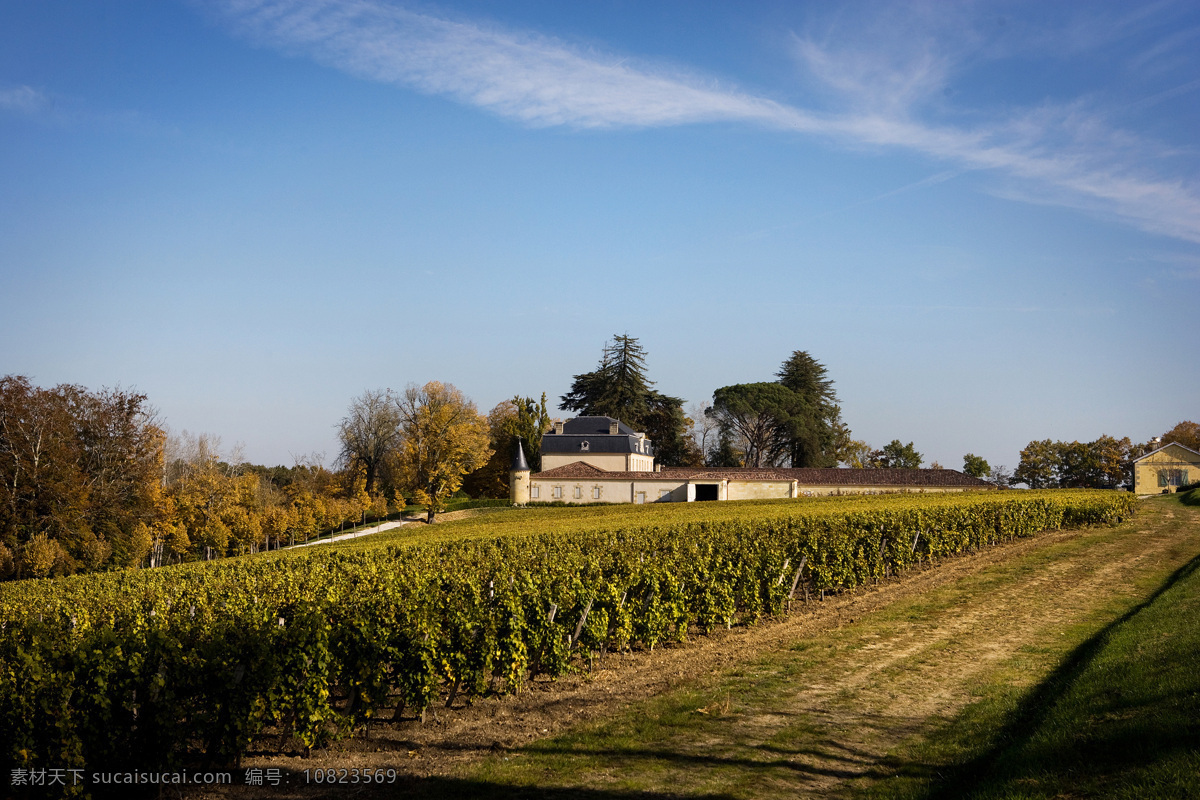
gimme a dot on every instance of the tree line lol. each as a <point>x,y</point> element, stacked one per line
<point>93,480</point>
<point>422,441</point>
<point>1106,463</point>
<point>792,421</point>
<point>80,471</point>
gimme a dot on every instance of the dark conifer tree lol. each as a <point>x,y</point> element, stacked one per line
<point>619,388</point>
<point>812,439</point>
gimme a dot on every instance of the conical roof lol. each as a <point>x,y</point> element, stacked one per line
<point>519,464</point>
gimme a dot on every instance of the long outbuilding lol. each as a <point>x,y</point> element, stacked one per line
<point>601,460</point>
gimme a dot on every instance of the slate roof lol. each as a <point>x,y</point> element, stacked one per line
<point>594,426</point>
<point>805,477</point>
<point>519,463</point>
<point>594,431</point>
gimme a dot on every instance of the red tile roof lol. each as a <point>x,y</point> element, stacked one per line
<point>805,477</point>
<point>884,477</point>
<point>576,469</point>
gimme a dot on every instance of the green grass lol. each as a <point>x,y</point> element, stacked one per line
<point>1188,498</point>
<point>1119,717</point>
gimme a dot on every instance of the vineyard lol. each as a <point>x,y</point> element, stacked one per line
<point>193,664</point>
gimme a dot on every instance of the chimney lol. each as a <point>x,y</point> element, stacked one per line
<point>558,426</point>
<point>613,427</point>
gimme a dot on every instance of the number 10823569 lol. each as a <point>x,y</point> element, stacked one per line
<point>350,776</point>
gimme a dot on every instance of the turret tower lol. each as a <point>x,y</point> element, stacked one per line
<point>518,478</point>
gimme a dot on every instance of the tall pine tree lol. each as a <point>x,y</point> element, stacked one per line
<point>619,388</point>
<point>813,440</point>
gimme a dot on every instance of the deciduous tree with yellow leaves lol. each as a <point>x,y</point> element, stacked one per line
<point>445,437</point>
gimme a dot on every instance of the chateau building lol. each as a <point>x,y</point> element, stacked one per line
<point>602,460</point>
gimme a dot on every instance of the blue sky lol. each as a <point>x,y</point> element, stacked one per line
<point>983,218</point>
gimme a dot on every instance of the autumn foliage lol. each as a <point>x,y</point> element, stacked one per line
<point>444,438</point>
<point>91,481</point>
<point>80,478</point>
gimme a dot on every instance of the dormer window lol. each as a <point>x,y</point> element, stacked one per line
<point>585,446</point>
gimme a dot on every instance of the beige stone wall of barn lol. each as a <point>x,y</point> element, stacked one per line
<point>766,490</point>
<point>759,490</point>
<point>653,491</point>
<point>583,490</point>
<point>833,491</point>
<point>663,490</point>
<point>1147,470</point>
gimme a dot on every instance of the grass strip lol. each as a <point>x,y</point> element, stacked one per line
<point>1118,718</point>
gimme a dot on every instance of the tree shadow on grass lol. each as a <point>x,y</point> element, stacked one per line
<point>837,765</point>
<point>1146,732</point>
<point>455,788</point>
<point>294,786</point>
<point>825,762</point>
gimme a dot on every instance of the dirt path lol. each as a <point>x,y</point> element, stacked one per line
<point>380,528</point>
<point>803,706</point>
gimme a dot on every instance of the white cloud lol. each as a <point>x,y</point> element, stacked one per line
<point>881,85</point>
<point>1176,41</point>
<point>532,78</point>
<point>23,100</point>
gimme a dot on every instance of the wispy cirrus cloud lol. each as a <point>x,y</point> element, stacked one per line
<point>880,96</point>
<point>23,100</point>
<point>532,78</point>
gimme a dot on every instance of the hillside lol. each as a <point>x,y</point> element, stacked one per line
<point>905,689</point>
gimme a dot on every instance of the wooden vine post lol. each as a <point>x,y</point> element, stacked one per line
<point>795,581</point>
